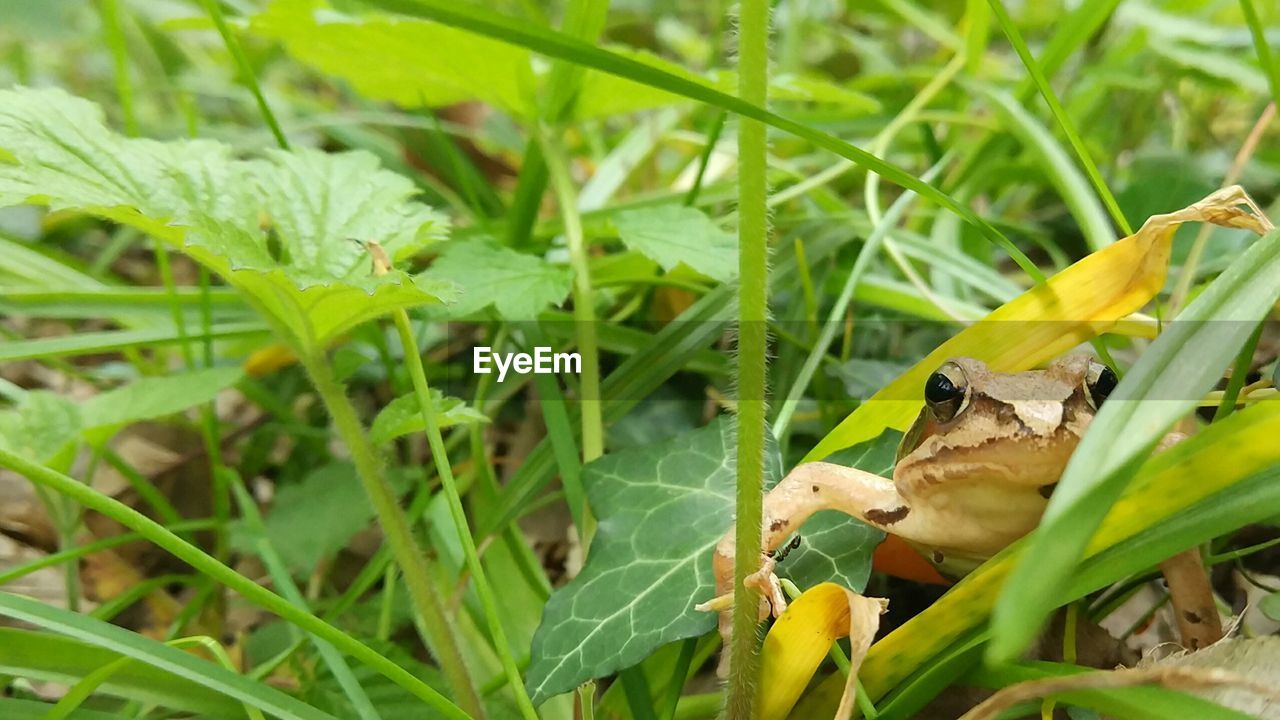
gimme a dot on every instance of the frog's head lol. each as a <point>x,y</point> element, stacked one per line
<point>1021,427</point>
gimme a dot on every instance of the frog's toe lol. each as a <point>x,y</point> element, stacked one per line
<point>719,603</point>
<point>770,587</point>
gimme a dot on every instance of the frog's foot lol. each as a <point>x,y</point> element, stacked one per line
<point>767,583</point>
<point>763,580</point>
<point>719,603</point>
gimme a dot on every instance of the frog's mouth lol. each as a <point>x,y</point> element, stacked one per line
<point>1019,464</point>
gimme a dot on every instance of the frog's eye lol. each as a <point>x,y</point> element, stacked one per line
<point>945,392</point>
<point>1098,384</point>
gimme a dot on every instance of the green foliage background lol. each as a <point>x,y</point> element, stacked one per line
<point>191,189</point>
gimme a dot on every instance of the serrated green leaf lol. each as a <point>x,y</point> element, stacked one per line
<point>305,274</point>
<point>416,63</point>
<point>641,580</point>
<point>517,285</point>
<point>402,416</point>
<point>672,235</point>
<point>411,63</point>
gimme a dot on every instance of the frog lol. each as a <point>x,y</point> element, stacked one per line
<point>973,474</point>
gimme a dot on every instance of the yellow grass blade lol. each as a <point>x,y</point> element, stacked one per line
<point>1074,306</point>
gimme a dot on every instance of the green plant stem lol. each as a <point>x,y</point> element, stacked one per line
<point>246,70</point>
<point>753,299</point>
<point>704,158</point>
<point>210,435</point>
<point>395,526</point>
<point>584,314</point>
<point>587,699</point>
<point>441,457</point>
<point>205,564</point>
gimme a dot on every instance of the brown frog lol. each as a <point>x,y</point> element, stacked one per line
<point>974,473</point>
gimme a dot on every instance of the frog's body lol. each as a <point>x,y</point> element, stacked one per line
<point>986,472</point>
<point>974,474</point>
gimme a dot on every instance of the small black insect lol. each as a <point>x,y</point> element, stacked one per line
<point>781,553</point>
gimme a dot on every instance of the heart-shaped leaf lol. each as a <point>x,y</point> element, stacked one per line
<point>641,581</point>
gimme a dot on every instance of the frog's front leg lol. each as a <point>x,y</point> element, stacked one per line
<point>805,490</point>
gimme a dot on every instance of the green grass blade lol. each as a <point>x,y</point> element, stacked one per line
<point>1058,168</point>
<point>56,658</point>
<point>1059,114</point>
<point>890,220</point>
<point>93,343</point>
<point>158,655</point>
<point>561,46</point>
<point>1265,59</point>
<point>74,301</point>
<point>210,567</point>
<point>76,696</point>
<point>560,433</point>
<point>15,709</point>
<point>275,566</point>
<point>79,551</point>
<point>1184,362</point>
<point>214,9</point>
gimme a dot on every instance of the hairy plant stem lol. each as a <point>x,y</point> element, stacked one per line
<point>753,300</point>
<point>441,457</point>
<point>395,526</point>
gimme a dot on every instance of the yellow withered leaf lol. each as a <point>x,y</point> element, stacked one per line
<point>269,359</point>
<point>1074,306</point>
<point>802,637</point>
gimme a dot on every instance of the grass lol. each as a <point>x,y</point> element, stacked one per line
<point>816,197</point>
